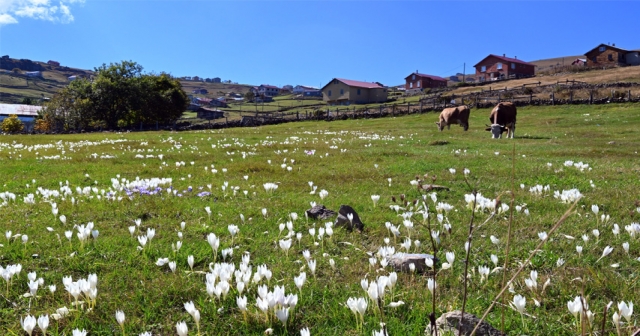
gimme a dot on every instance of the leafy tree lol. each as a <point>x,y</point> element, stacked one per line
<point>120,95</point>
<point>249,96</point>
<point>71,108</point>
<point>12,124</point>
<point>27,101</point>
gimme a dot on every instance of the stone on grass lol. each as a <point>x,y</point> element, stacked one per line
<point>343,219</point>
<point>401,261</point>
<point>448,324</point>
<point>320,212</point>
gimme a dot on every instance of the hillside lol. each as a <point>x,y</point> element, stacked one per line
<point>14,87</point>
<point>549,63</point>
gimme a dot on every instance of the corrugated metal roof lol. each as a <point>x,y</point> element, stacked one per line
<point>428,76</point>
<point>18,109</point>
<point>608,47</point>
<point>365,85</point>
<point>506,59</point>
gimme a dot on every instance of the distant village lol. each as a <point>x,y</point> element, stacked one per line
<point>338,91</point>
<point>492,68</point>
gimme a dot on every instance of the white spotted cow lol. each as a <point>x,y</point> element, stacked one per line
<point>503,119</point>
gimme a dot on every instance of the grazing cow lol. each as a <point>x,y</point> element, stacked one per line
<point>503,118</point>
<point>454,115</point>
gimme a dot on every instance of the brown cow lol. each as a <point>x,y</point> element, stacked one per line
<point>454,115</point>
<point>503,118</point>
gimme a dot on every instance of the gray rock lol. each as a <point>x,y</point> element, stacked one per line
<point>319,211</point>
<point>343,219</point>
<point>401,261</point>
<point>448,324</point>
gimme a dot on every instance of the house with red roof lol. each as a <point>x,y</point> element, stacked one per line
<point>417,82</point>
<point>340,91</point>
<point>268,90</point>
<point>610,55</point>
<point>495,67</point>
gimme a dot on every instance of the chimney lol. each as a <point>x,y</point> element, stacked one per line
<point>614,44</point>
<point>516,57</point>
<point>504,55</point>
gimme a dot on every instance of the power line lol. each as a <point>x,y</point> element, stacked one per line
<point>449,71</point>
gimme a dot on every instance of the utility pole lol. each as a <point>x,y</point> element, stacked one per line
<point>464,71</point>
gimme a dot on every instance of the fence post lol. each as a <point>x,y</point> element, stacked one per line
<point>297,115</point>
<point>421,101</point>
<point>553,98</point>
<point>629,95</point>
<point>408,108</point>
<point>380,110</point>
<point>530,98</point>
<point>571,97</point>
<point>498,98</point>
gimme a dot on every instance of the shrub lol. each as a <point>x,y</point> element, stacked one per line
<point>42,126</point>
<point>12,124</point>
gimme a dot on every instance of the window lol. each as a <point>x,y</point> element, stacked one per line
<point>358,92</point>
<point>499,66</point>
<point>411,85</point>
<point>602,48</point>
<point>329,93</point>
<point>413,77</point>
<point>513,65</point>
<point>610,57</point>
<point>483,68</point>
<point>418,84</point>
<point>341,91</point>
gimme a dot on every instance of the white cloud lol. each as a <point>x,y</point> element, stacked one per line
<point>36,9</point>
<point>6,19</point>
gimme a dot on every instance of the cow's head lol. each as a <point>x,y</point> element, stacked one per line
<point>496,130</point>
<point>440,126</point>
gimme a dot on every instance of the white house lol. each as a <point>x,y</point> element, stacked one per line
<point>299,89</point>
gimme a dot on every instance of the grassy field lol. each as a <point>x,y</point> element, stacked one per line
<point>626,74</point>
<point>351,160</point>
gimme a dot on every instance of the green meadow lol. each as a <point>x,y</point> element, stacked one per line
<point>105,179</point>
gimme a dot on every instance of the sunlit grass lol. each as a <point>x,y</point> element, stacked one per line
<point>352,161</point>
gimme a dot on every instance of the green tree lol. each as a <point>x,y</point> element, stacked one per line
<point>119,95</point>
<point>249,96</point>
<point>27,101</point>
<point>12,124</point>
<point>72,108</point>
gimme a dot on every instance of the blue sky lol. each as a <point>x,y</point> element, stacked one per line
<point>308,42</point>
